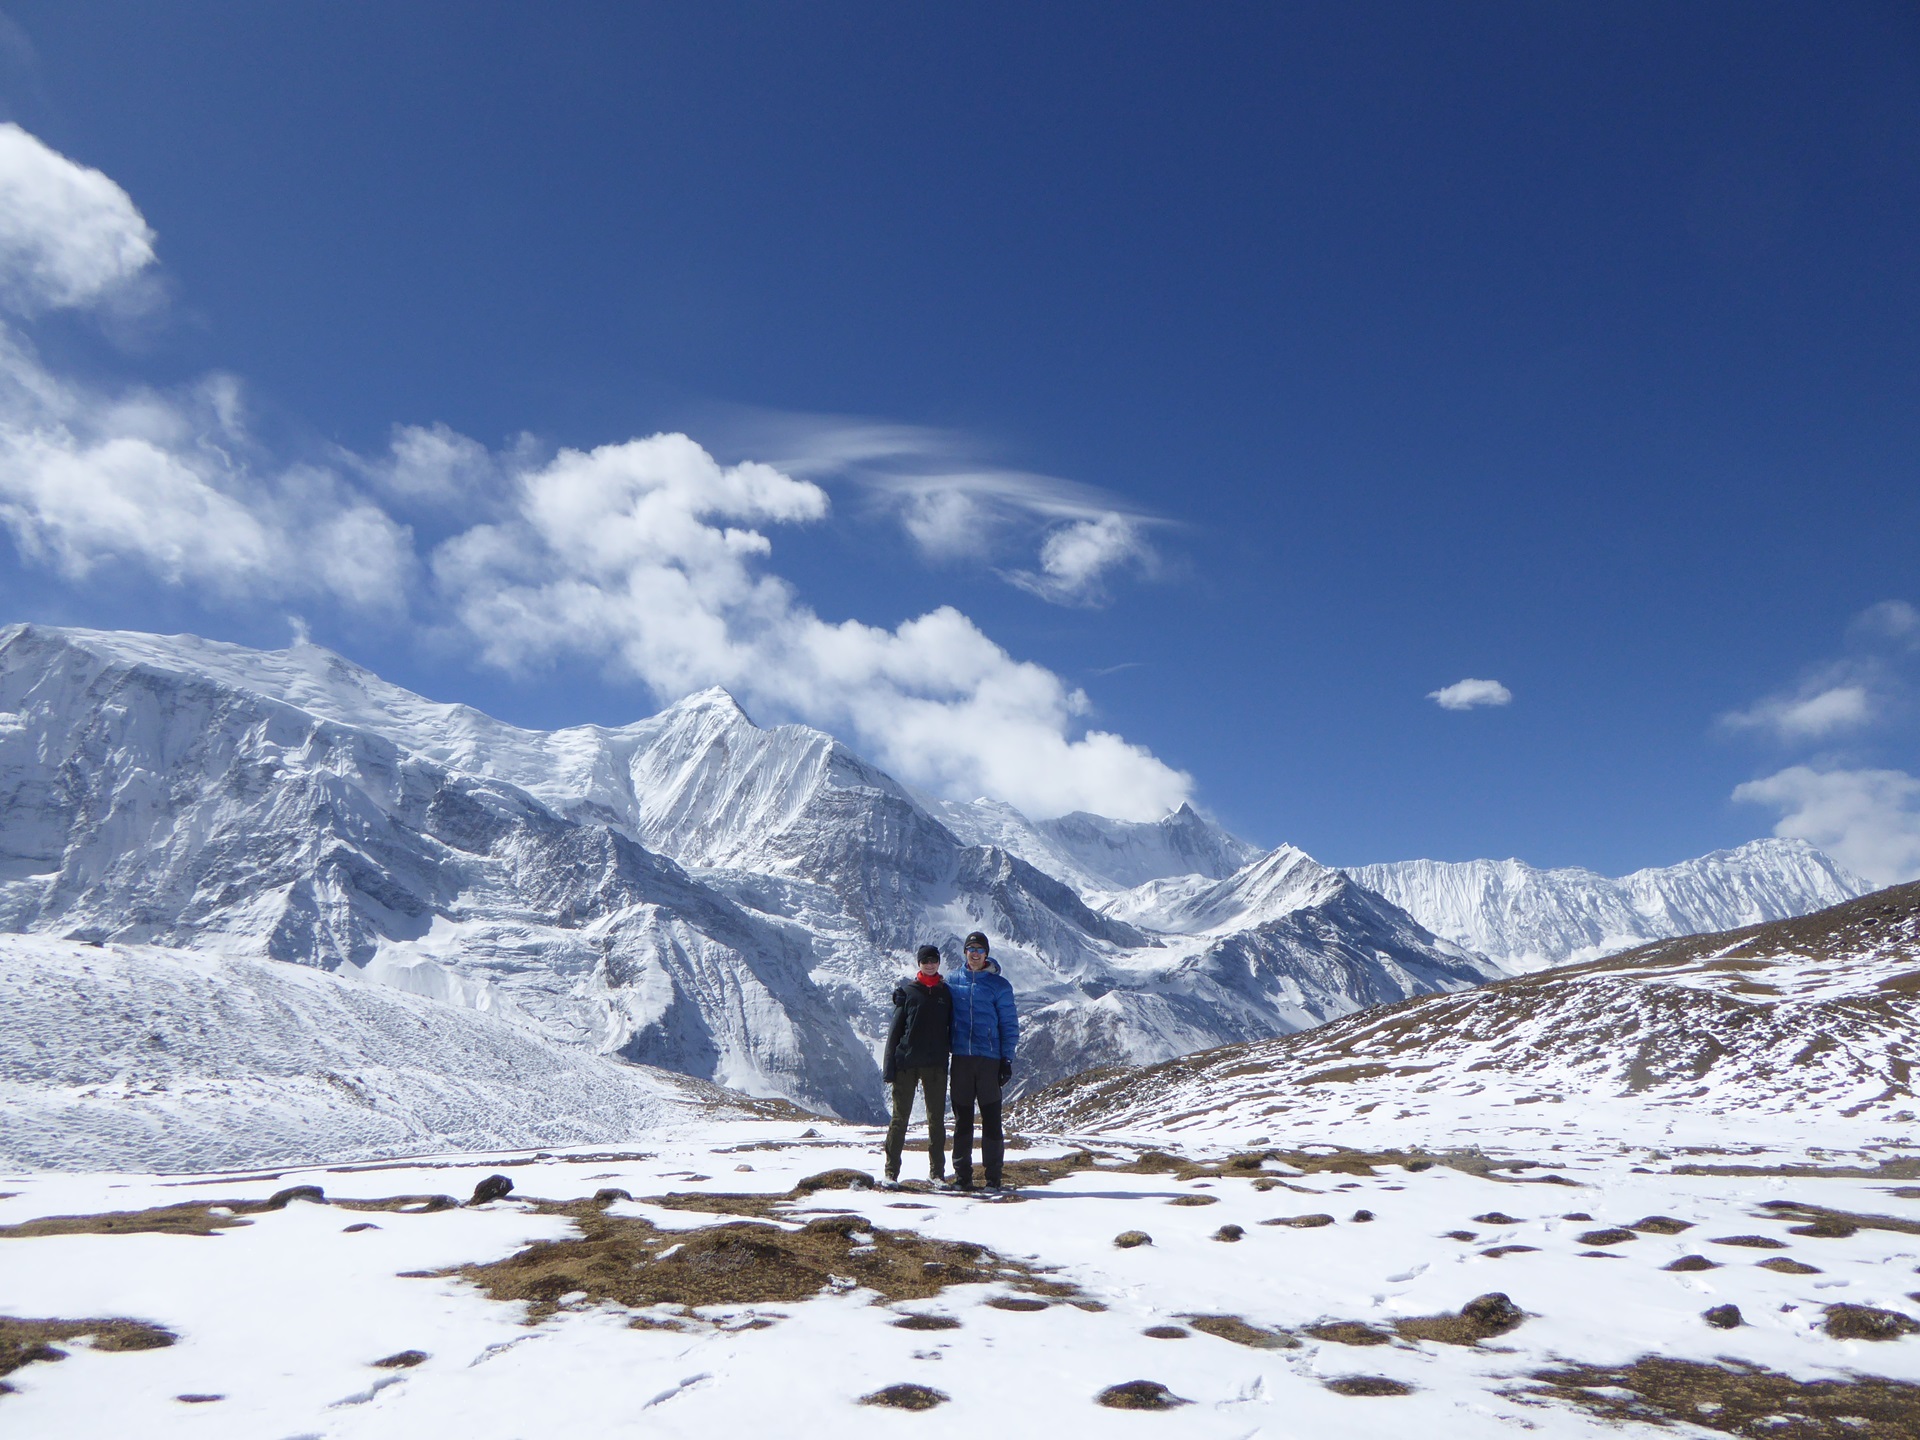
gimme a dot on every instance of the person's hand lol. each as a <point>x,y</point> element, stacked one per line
<point>1006,1071</point>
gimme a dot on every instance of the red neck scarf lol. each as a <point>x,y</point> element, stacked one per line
<point>928,980</point>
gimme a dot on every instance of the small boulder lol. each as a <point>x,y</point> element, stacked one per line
<point>1361,1217</point>
<point>1229,1233</point>
<point>494,1187</point>
<point>606,1197</point>
<point>1723,1317</point>
<point>312,1194</point>
<point>1128,1239</point>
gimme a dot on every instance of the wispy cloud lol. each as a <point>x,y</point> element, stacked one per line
<point>1470,694</point>
<point>954,507</point>
<point>1814,714</point>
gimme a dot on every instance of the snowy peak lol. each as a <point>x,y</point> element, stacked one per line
<point>1529,919</point>
<point>1275,884</point>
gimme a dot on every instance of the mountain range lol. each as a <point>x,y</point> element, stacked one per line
<point>1529,919</point>
<point>692,891</point>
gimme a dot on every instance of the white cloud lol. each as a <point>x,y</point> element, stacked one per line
<point>644,554</point>
<point>1868,820</point>
<point>956,509</point>
<point>1077,558</point>
<point>1893,620</point>
<point>435,464</point>
<point>164,482</point>
<point>1467,694</point>
<point>68,234</point>
<point>1814,714</point>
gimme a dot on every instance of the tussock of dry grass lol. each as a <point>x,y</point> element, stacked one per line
<point>1479,1319</point>
<point>1736,1399</point>
<point>906,1397</point>
<point>1348,1332</point>
<point>1139,1395</point>
<point>627,1261</point>
<point>1233,1328</point>
<point>22,1342</point>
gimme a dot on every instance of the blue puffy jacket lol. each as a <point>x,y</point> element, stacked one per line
<point>984,1020</point>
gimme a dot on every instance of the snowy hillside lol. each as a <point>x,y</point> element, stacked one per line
<point>133,1057</point>
<point>1529,919</point>
<point>691,891</point>
<point>1795,1028</point>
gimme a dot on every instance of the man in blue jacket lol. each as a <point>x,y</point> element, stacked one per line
<point>985,1032</point>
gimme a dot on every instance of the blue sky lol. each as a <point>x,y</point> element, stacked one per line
<point>1226,383</point>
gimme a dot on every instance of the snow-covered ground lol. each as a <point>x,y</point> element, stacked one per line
<point>283,1317</point>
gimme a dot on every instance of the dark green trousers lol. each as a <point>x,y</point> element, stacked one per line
<point>931,1081</point>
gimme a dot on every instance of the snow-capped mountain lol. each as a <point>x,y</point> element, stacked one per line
<point>1530,919</point>
<point>691,891</point>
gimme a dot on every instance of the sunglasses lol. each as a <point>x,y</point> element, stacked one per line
<point>931,960</point>
<point>975,950</point>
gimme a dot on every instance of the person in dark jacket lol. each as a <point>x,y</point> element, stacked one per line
<point>985,1032</point>
<point>916,1058</point>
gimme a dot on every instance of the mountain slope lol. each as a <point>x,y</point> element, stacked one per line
<point>1713,1040</point>
<point>138,1058</point>
<point>1528,919</point>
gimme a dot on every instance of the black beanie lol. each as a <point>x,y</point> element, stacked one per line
<point>927,952</point>
<point>976,938</point>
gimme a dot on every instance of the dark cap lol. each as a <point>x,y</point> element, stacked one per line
<point>977,941</point>
<point>926,953</point>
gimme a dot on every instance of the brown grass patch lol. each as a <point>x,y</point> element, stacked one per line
<point>626,1261</point>
<point>1139,1395</point>
<point>1348,1332</point>
<point>1494,1252</point>
<point>1479,1319</point>
<point>1750,1242</point>
<point>1867,1322</point>
<point>1195,1200</point>
<point>906,1397</point>
<point>1368,1385</point>
<point>1661,1225</point>
<point>1019,1304</point>
<point>926,1322</point>
<point>22,1342</point>
<point>1738,1399</point>
<point>1130,1239</point>
<point>1496,1217</point>
<point>403,1360</point>
<point>1781,1265</point>
<point>1239,1332</point>
<point>1696,1262</point>
<point>1838,1224</point>
<point>1167,1332</point>
<point>1300,1222</point>
<point>1605,1237</point>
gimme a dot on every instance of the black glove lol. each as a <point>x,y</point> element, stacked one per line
<point>1006,1071</point>
<point>886,1073</point>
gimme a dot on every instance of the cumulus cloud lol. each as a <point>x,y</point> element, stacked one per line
<point>1076,559</point>
<point>952,507</point>
<point>68,235</point>
<point>648,555</point>
<point>1868,820</point>
<point>1814,714</point>
<point>1468,694</point>
<point>167,482</point>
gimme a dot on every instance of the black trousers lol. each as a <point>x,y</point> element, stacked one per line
<point>931,1081</point>
<point>975,1079</point>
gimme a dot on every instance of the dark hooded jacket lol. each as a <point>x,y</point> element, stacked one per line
<point>922,1032</point>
